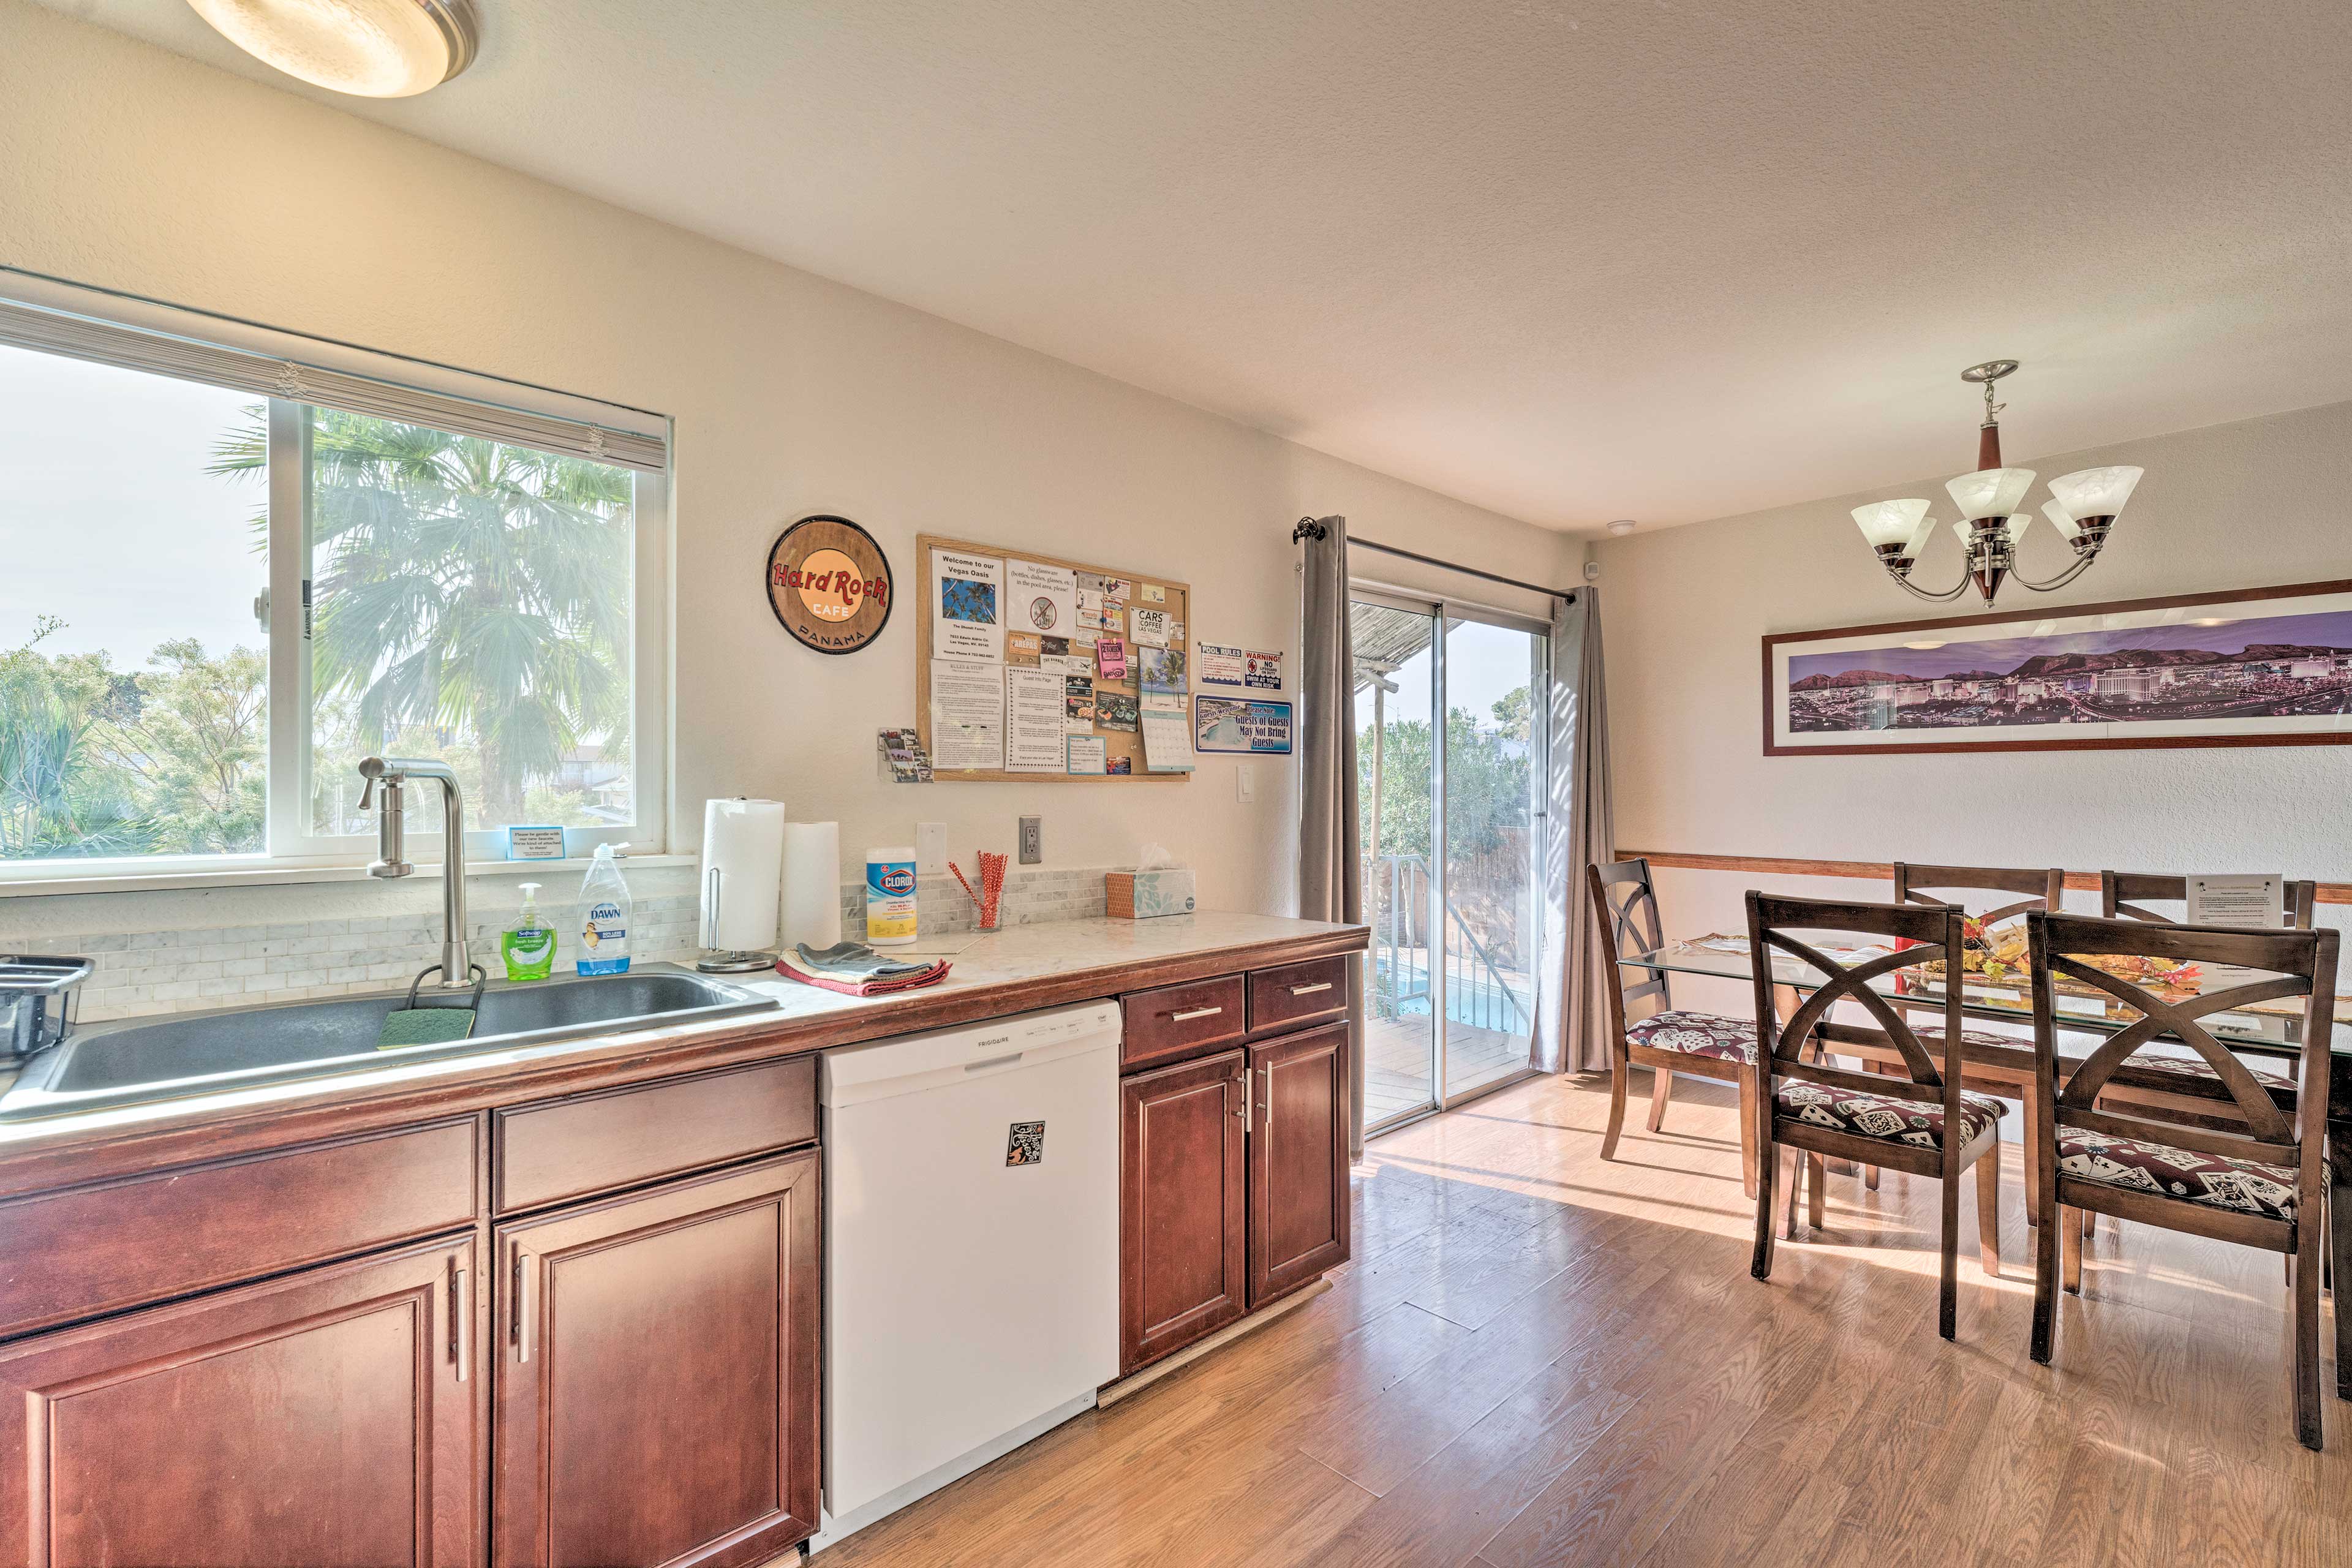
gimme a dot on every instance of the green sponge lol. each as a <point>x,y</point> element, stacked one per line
<point>424,1026</point>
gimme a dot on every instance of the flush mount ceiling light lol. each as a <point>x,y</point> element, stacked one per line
<point>1622,526</point>
<point>369,48</point>
<point>2082,507</point>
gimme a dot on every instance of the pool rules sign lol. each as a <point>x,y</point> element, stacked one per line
<point>829,583</point>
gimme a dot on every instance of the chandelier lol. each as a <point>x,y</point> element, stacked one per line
<point>2082,507</point>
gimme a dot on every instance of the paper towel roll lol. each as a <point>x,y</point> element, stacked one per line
<point>743,841</point>
<point>812,884</point>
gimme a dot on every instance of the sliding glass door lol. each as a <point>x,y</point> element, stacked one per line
<point>1450,705</point>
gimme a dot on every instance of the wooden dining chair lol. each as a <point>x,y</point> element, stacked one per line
<point>2263,1187</point>
<point>1979,891</point>
<point>2124,895</point>
<point>1924,1124</point>
<point>1669,1040</point>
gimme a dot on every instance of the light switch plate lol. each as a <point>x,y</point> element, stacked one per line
<point>1033,840</point>
<point>931,849</point>
<point>1245,783</point>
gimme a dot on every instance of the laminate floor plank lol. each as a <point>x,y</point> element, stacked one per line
<point>1536,1356</point>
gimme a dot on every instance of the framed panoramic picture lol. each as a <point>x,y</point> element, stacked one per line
<point>2259,666</point>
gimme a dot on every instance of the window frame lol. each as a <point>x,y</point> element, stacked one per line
<point>292,851</point>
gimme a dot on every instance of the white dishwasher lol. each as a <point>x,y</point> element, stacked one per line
<point>971,1250</point>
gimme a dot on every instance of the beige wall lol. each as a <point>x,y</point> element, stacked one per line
<point>128,168</point>
<point>2235,506</point>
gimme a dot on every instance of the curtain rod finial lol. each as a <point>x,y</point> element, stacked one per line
<point>1308,528</point>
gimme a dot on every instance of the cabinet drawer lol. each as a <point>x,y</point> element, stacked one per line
<point>1298,994</point>
<point>1180,1020</point>
<point>595,1142</point>
<point>87,1250</point>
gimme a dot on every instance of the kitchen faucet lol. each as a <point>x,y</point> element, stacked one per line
<point>389,774</point>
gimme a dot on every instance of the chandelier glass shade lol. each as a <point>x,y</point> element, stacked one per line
<point>2082,507</point>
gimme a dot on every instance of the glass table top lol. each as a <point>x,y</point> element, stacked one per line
<point>2008,998</point>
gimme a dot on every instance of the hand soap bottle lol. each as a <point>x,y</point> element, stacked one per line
<point>530,948</point>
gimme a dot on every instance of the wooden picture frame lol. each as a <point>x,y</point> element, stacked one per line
<point>2072,678</point>
<point>1176,599</point>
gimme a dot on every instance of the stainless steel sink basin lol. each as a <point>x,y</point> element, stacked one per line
<point>202,1053</point>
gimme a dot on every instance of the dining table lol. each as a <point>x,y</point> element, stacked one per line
<point>2001,1058</point>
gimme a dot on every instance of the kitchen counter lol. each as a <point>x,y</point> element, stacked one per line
<point>993,974</point>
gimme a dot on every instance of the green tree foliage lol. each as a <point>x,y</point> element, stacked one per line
<point>1487,780</point>
<point>467,590</point>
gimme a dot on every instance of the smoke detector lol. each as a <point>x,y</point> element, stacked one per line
<point>1621,527</point>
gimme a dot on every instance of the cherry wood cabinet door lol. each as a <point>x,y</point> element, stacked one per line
<point>1182,1218</point>
<point>1298,1161</point>
<point>656,1381</point>
<point>325,1419</point>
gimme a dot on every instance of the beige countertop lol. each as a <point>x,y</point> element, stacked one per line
<point>993,974</point>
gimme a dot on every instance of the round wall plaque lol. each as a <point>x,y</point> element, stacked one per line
<point>829,583</point>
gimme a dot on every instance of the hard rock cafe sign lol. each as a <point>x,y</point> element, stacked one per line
<point>829,583</point>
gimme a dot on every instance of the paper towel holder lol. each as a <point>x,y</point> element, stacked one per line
<point>717,960</point>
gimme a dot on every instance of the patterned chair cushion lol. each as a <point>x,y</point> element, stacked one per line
<point>2197,1067</point>
<point>1697,1035</point>
<point>1878,1116</point>
<point>2246,1186</point>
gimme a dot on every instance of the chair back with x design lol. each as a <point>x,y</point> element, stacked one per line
<point>1922,885</point>
<point>1925,934</point>
<point>1625,913</point>
<point>2299,964</point>
<point>2120,893</point>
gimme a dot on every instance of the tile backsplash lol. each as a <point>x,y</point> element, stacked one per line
<point>197,966</point>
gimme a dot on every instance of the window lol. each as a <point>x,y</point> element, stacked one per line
<point>213,603</point>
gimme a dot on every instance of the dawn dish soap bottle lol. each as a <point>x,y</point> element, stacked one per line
<point>530,948</point>
<point>603,917</point>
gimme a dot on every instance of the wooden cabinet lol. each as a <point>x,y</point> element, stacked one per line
<point>1182,1253</point>
<point>656,1384</point>
<point>1177,1020</point>
<point>326,1418</point>
<point>1298,1161</point>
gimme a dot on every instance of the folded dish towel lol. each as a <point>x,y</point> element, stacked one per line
<point>856,970</point>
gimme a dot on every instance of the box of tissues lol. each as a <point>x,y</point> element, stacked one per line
<point>1155,887</point>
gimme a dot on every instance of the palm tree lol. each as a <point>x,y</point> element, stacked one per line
<point>476,589</point>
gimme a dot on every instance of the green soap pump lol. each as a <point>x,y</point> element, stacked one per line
<point>530,948</point>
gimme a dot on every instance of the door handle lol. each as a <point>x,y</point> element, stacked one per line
<point>1244,1112</point>
<point>461,1321</point>
<point>523,1272</point>
<point>1191,1012</point>
<point>1310,989</point>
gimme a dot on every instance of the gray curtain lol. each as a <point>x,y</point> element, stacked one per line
<point>1580,827</point>
<point>1330,859</point>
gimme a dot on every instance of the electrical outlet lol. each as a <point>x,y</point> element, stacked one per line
<point>931,849</point>
<point>1245,783</point>
<point>1033,840</point>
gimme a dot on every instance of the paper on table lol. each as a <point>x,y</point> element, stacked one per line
<point>1166,741</point>
<point>1036,722</point>
<point>2237,900</point>
<point>967,716</point>
<point>967,619</point>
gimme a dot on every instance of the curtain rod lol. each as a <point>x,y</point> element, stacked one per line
<point>1308,526</point>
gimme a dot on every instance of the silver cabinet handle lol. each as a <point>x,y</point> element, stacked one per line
<point>1268,1096</point>
<point>523,1272</point>
<point>1245,1111</point>
<point>1310,989</point>
<point>461,1321</point>
<point>1191,1012</point>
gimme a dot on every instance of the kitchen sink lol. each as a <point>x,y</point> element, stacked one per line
<point>204,1053</point>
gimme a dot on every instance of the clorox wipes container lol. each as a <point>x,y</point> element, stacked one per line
<point>890,897</point>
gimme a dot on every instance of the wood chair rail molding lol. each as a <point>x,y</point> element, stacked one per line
<point>1877,871</point>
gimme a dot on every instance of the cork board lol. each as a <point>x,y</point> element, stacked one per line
<point>959,581</point>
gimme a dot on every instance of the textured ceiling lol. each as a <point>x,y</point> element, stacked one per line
<point>1573,261</point>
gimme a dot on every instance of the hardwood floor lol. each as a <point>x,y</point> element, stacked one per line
<point>1538,1358</point>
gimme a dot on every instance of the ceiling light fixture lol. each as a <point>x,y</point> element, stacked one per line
<point>1622,526</point>
<point>369,48</point>
<point>2082,507</point>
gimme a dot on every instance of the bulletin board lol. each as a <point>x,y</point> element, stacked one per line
<point>958,582</point>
